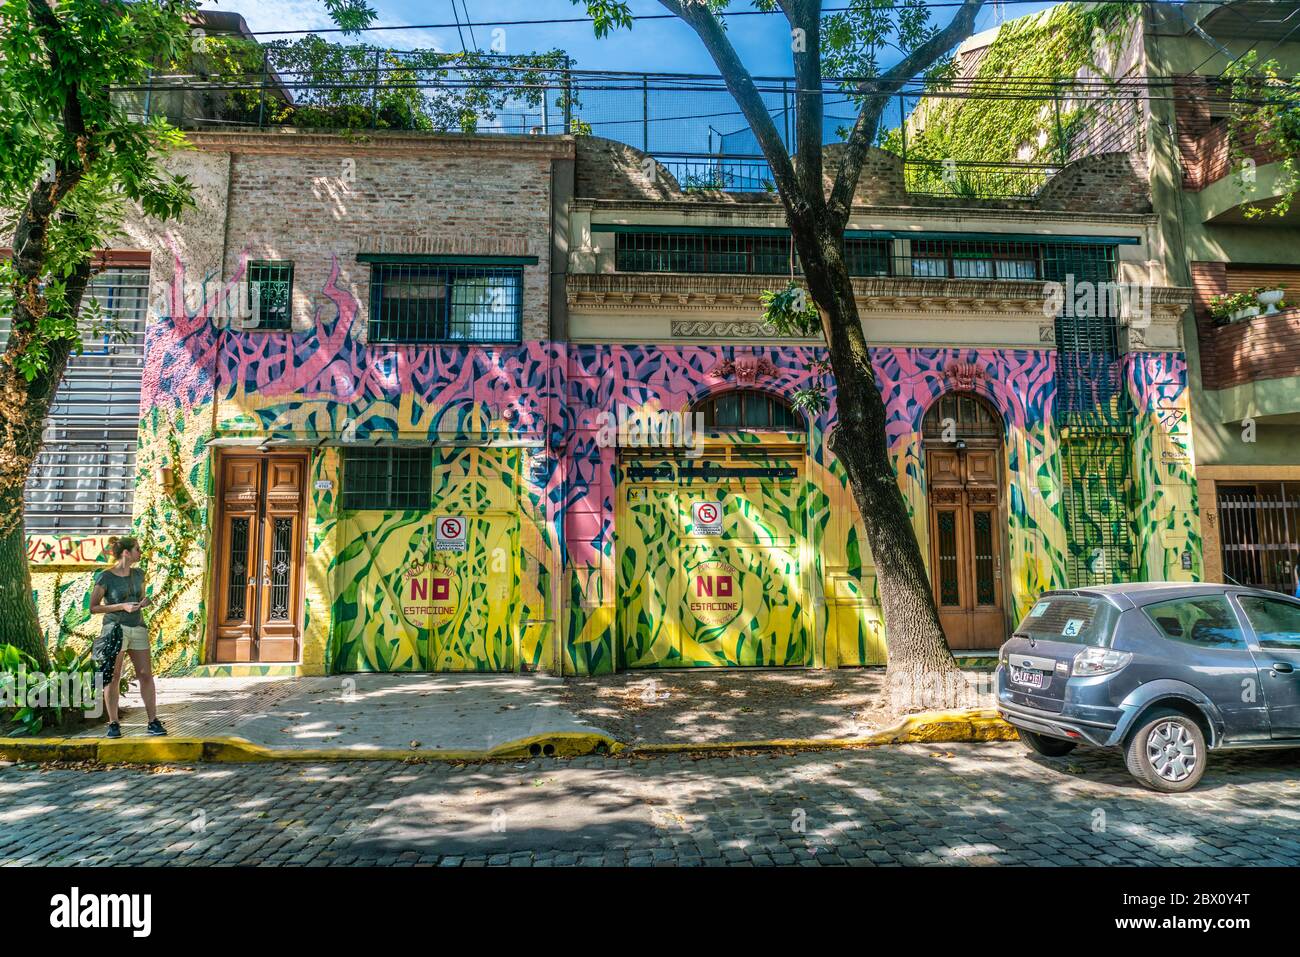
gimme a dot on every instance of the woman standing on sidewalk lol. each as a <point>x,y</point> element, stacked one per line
<point>118,596</point>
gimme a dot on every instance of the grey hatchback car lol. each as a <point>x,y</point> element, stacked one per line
<point>1165,671</point>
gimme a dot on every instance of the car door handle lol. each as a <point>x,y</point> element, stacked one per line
<point>1283,667</point>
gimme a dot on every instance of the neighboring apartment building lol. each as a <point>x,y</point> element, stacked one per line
<point>1247,406</point>
<point>413,461</point>
<point>1159,68</point>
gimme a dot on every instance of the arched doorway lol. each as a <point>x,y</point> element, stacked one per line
<point>962,439</point>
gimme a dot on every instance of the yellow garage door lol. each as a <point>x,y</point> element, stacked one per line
<point>712,562</point>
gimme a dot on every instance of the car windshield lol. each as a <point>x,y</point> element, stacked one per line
<point>1079,619</point>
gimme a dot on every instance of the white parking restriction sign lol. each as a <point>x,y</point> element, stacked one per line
<point>450,533</point>
<point>707,518</point>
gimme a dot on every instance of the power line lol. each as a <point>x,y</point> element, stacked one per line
<point>561,21</point>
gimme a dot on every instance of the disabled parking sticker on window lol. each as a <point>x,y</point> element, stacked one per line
<point>1072,627</point>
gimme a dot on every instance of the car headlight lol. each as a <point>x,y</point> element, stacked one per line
<point>1100,661</point>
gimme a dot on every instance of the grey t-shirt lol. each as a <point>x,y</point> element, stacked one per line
<point>119,589</point>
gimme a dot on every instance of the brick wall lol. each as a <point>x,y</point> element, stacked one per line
<point>324,200</point>
<point>1200,109</point>
<point>1265,347</point>
<point>1105,182</point>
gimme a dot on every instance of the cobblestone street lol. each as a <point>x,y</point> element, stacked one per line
<point>955,804</point>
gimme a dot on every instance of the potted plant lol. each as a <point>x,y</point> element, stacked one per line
<point>1271,299</point>
<point>1241,305</point>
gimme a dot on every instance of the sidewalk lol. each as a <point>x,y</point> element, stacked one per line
<point>483,716</point>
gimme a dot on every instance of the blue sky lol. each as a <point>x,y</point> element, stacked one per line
<point>664,45</point>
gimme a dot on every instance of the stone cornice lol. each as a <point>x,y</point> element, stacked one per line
<point>761,213</point>
<point>280,140</point>
<point>966,298</point>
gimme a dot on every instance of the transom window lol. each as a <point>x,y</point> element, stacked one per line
<point>969,415</point>
<point>387,477</point>
<point>420,302</point>
<point>749,409</point>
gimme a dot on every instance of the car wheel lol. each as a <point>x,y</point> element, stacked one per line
<point>1042,744</point>
<point>1167,752</point>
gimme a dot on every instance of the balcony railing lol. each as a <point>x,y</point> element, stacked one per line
<point>689,122</point>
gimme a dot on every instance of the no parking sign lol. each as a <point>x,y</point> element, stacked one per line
<point>449,532</point>
<point>707,518</point>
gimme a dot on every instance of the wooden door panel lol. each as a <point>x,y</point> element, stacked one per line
<point>966,535</point>
<point>259,568</point>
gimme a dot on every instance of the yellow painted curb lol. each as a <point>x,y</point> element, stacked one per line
<point>176,750</point>
<point>976,724</point>
<point>933,726</point>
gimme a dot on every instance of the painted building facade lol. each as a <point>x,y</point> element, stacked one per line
<point>509,405</point>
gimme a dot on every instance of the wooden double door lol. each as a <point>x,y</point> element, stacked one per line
<point>967,535</point>
<point>258,571</point>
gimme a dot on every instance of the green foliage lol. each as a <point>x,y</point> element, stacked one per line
<point>791,312</point>
<point>40,685</point>
<point>1271,121</point>
<point>360,87</point>
<point>75,52</point>
<point>1222,308</point>
<point>1054,44</point>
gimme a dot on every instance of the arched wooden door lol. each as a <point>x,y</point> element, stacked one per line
<point>963,460</point>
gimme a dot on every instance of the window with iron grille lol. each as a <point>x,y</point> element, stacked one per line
<point>1091,392</point>
<point>749,409</point>
<point>83,480</point>
<point>732,253</point>
<point>1097,486</point>
<point>272,283</point>
<point>387,478</point>
<point>428,302</point>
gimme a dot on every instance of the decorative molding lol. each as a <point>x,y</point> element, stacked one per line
<point>962,376</point>
<point>726,329</point>
<point>936,298</point>
<point>746,369</point>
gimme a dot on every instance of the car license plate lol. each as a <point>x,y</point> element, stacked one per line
<point>1033,679</point>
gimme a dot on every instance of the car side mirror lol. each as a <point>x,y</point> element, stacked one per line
<point>1171,626</point>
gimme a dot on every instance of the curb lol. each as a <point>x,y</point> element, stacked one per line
<point>977,724</point>
<point>180,750</point>
<point>931,727</point>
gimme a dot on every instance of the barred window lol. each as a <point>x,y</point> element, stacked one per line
<point>272,283</point>
<point>749,409</point>
<point>84,478</point>
<point>735,254</point>
<point>387,477</point>
<point>420,302</point>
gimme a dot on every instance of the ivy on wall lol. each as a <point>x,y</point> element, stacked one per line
<point>1030,52</point>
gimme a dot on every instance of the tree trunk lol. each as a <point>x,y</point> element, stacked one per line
<point>24,405</point>
<point>19,623</point>
<point>922,674</point>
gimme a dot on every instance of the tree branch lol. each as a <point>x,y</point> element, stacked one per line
<point>701,19</point>
<point>809,104</point>
<point>879,90</point>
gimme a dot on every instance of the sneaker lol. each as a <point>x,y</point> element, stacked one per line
<point>114,730</point>
<point>155,727</point>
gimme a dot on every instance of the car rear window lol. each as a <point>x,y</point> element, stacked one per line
<point>1073,618</point>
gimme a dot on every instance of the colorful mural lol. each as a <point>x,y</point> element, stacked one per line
<point>519,451</point>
